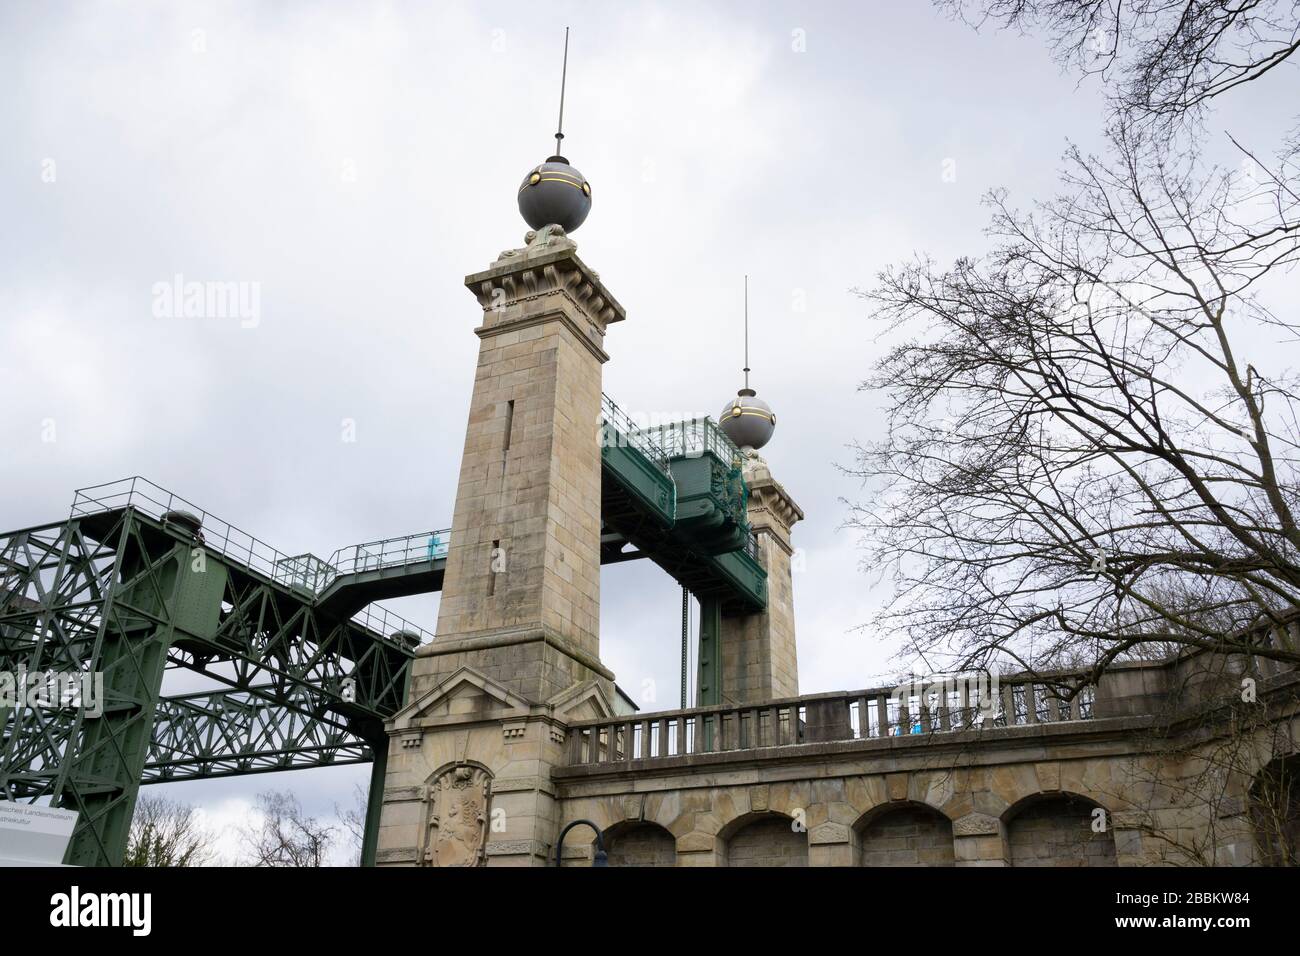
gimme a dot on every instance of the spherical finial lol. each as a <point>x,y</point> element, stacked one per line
<point>748,420</point>
<point>555,193</point>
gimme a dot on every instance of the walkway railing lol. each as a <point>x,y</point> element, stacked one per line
<point>693,437</point>
<point>617,426</point>
<point>391,552</point>
<point>930,708</point>
<point>149,499</point>
<point>301,572</point>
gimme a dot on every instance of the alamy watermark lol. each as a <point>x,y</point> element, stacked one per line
<point>678,435</point>
<point>53,690</point>
<point>975,695</point>
<point>182,299</point>
<point>133,911</point>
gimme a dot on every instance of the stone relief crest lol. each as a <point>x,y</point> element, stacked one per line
<point>456,831</point>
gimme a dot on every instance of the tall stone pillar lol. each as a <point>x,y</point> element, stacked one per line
<point>758,650</point>
<point>523,566</point>
<point>517,648</point>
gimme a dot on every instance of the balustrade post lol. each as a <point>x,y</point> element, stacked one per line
<point>828,719</point>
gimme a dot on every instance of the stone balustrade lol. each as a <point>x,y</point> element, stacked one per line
<point>935,706</point>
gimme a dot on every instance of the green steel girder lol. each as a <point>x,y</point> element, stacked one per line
<point>686,513</point>
<point>121,594</point>
<point>736,578</point>
<point>711,502</point>
<point>708,684</point>
<point>267,636</point>
<point>228,733</point>
<point>652,490</point>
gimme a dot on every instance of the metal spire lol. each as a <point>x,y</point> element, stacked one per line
<point>564,72</point>
<point>747,332</point>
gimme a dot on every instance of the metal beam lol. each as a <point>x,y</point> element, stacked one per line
<point>123,594</point>
<point>225,733</point>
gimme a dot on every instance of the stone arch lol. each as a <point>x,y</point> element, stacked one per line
<point>1056,829</point>
<point>640,843</point>
<point>905,833</point>
<point>765,838</point>
<point>580,843</point>
<point>1275,811</point>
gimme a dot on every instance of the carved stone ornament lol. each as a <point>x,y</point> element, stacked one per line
<point>457,817</point>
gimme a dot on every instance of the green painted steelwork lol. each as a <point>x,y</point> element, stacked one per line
<point>652,490</point>
<point>686,642</point>
<point>637,463</point>
<point>123,593</point>
<point>704,541</point>
<point>708,686</point>
<point>226,733</point>
<point>374,805</point>
<point>711,496</point>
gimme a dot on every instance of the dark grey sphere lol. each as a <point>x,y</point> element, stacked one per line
<point>555,193</point>
<point>748,420</point>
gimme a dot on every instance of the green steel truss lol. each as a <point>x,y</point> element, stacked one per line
<point>230,733</point>
<point>677,493</point>
<point>122,593</point>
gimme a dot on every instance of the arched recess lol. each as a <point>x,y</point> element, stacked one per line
<point>764,839</point>
<point>905,833</point>
<point>640,843</point>
<point>1275,811</point>
<point>1057,829</point>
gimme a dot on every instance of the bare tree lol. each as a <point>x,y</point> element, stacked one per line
<point>1160,60</point>
<point>165,833</point>
<point>285,835</point>
<point>353,821</point>
<point>1076,429</point>
<point>1083,462</point>
<point>1222,755</point>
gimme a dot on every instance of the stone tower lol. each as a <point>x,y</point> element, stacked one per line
<point>517,648</point>
<point>759,662</point>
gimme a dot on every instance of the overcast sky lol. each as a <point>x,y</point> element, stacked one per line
<point>357,160</point>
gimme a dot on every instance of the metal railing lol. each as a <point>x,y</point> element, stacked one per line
<point>306,572</point>
<point>302,572</point>
<point>149,499</point>
<point>694,437</point>
<point>881,712</point>
<point>391,552</point>
<point>618,430</point>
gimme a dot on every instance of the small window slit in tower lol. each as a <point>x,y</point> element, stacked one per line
<point>510,424</point>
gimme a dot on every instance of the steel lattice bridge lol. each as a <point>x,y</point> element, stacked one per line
<point>303,666</point>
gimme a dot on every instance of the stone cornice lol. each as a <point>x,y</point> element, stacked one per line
<point>542,269</point>
<point>528,634</point>
<point>767,495</point>
<point>553,315</point>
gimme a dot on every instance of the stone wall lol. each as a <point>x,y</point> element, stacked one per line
<point>769,840</point>
<point>759,659</point>
<point>912,835</point>
<point>1058,831</point>
<point>641,844</point>
<point>994,796</point>
<point>1005,796</point>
